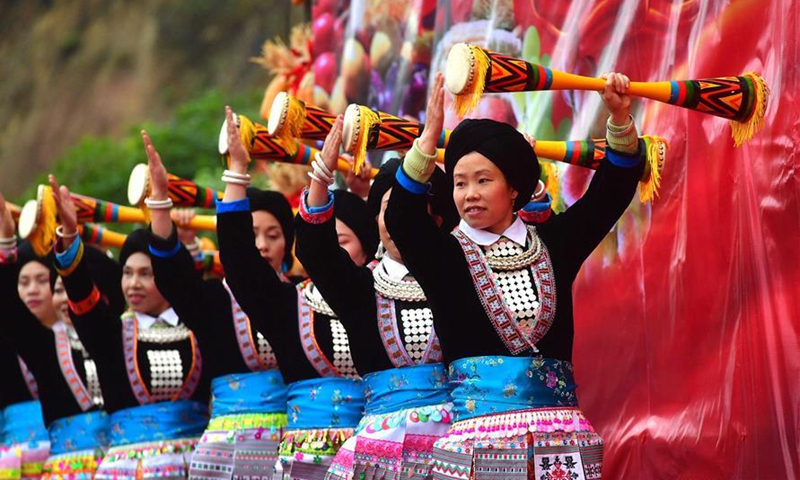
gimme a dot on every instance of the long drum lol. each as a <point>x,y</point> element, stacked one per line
<point>291,118</point>
<point>471,71</point>
<point>182,192</point>
<point>95,234</point>
<point>263,146</point>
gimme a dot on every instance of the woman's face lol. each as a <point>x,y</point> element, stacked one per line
<point>33,287</point>
<point>139,286</point>
<point>60,300</point>
<point>482,195</point>
<point>350,242</point>
<point>269,238</point>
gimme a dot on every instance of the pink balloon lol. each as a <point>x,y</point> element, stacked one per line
<point>324,33</point>
<point>325,71</point>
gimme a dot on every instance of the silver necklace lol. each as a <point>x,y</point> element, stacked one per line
<point>164,334</point>
<point>407,290</point>
<point>316,302</point>
<point>507,261</point>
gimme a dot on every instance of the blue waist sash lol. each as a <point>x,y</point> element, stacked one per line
<point>24,423</point>
<point>157,422</point>
<point>329,402</point>
<point>241,393</point>
<point>494,384</point>
<point>79,432</point>
<point>407,387</point>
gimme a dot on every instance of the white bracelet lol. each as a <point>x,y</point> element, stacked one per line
<point>9,242</point>
<point>237,175</point>
<point>165,204</point>
<point>326,182</point>
<point>321,163</point>
<point>540,191</point>
<point>60,232</point>
<point>236,181</point>
<point>321,173</point>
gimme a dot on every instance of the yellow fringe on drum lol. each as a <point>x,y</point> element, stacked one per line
<point>292,126</point>
<point>742,131</point>
<point>469,99</point>
<point>366,120</point>
<point>552,185</point>
<point>656,154</point>
<point>247,130</point>
<point>43,236</point>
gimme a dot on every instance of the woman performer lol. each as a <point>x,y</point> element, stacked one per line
<point>508,342</point>
<point>42,333</point>
<point>324,401</point>
<point>248,394</point>
<point>407,401</point>
<point>149,363</point>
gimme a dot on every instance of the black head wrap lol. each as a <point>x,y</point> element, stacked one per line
<point>107,275</point>
<point>277,205</point>
<point>353,211</point>
<point>504,146</point>
<point>26,254</point>
<point>137,242</point>
<point>440,196</point>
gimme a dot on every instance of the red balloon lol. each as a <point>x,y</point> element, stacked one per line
<point>324,33</point>
<point>325,71</point>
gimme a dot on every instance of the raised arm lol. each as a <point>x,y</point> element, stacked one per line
<point>344,285</point>
<point>92,318</point>
<point>416,235</point>
<point>256,286</point>
<point>584,225</point>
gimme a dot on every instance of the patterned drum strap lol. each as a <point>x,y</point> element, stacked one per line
<point>33,388</point>
<point>244,337</point>
<point>501,316</point>
<point>67,364</point>
<point>130,342</point>
<point>314,353</point>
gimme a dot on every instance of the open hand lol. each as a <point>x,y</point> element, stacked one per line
<point>239,155</point>
<point>434,118</point>
<point>332,145</point>
<point>65,207</point>
<point>6,221</point>
<point>359,183</point>
<point>159,182</point>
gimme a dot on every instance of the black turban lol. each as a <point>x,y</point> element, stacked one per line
<point>107,275</point>
<point>277,205</point>
<point>353,211</point>
<point>440,196</point>
<point>26,254</point>
<point>137,241</point>
<point>504,146</point>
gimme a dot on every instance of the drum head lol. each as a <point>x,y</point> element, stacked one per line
<point>223,135</point>
<point>28,218</point>
<point>138,184</point>
<point>277,113</point>
<point>350,127</point>
<point>458,68</point>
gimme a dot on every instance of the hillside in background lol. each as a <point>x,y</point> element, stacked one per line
<point>73,68</point>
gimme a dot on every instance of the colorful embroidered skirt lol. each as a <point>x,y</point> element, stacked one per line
<point>516,419</point>
<point>25,434</point>
<point>307,454</point>
<point>239,447</point>
<point>10,463</point>
<point>153,441</point>
<point>407,410</point>
<point>80,465</point>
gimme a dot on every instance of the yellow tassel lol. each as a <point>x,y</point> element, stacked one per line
<point>742,131</point>
<point>469,99</point>
<point>247,130</point>
<point>656,154</point>
<point>43,236</point>
<point>292,127</point>
<point>552,184</point>
<point>366,120</point>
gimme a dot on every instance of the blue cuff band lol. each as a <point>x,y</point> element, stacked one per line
<point>242,205</point>
<point>66,258</point>
<point>623,161</point>
<point>410,184</point>
<point>165,254</point>
<point>323,208</point>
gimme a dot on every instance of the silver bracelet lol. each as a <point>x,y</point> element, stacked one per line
<point>165,204</point>
<point>9,242</point>
<point>326,182</point>
<point>321,163</point>
<point>60,232</point>
<point>236,181</point>
<point>237,175</point>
